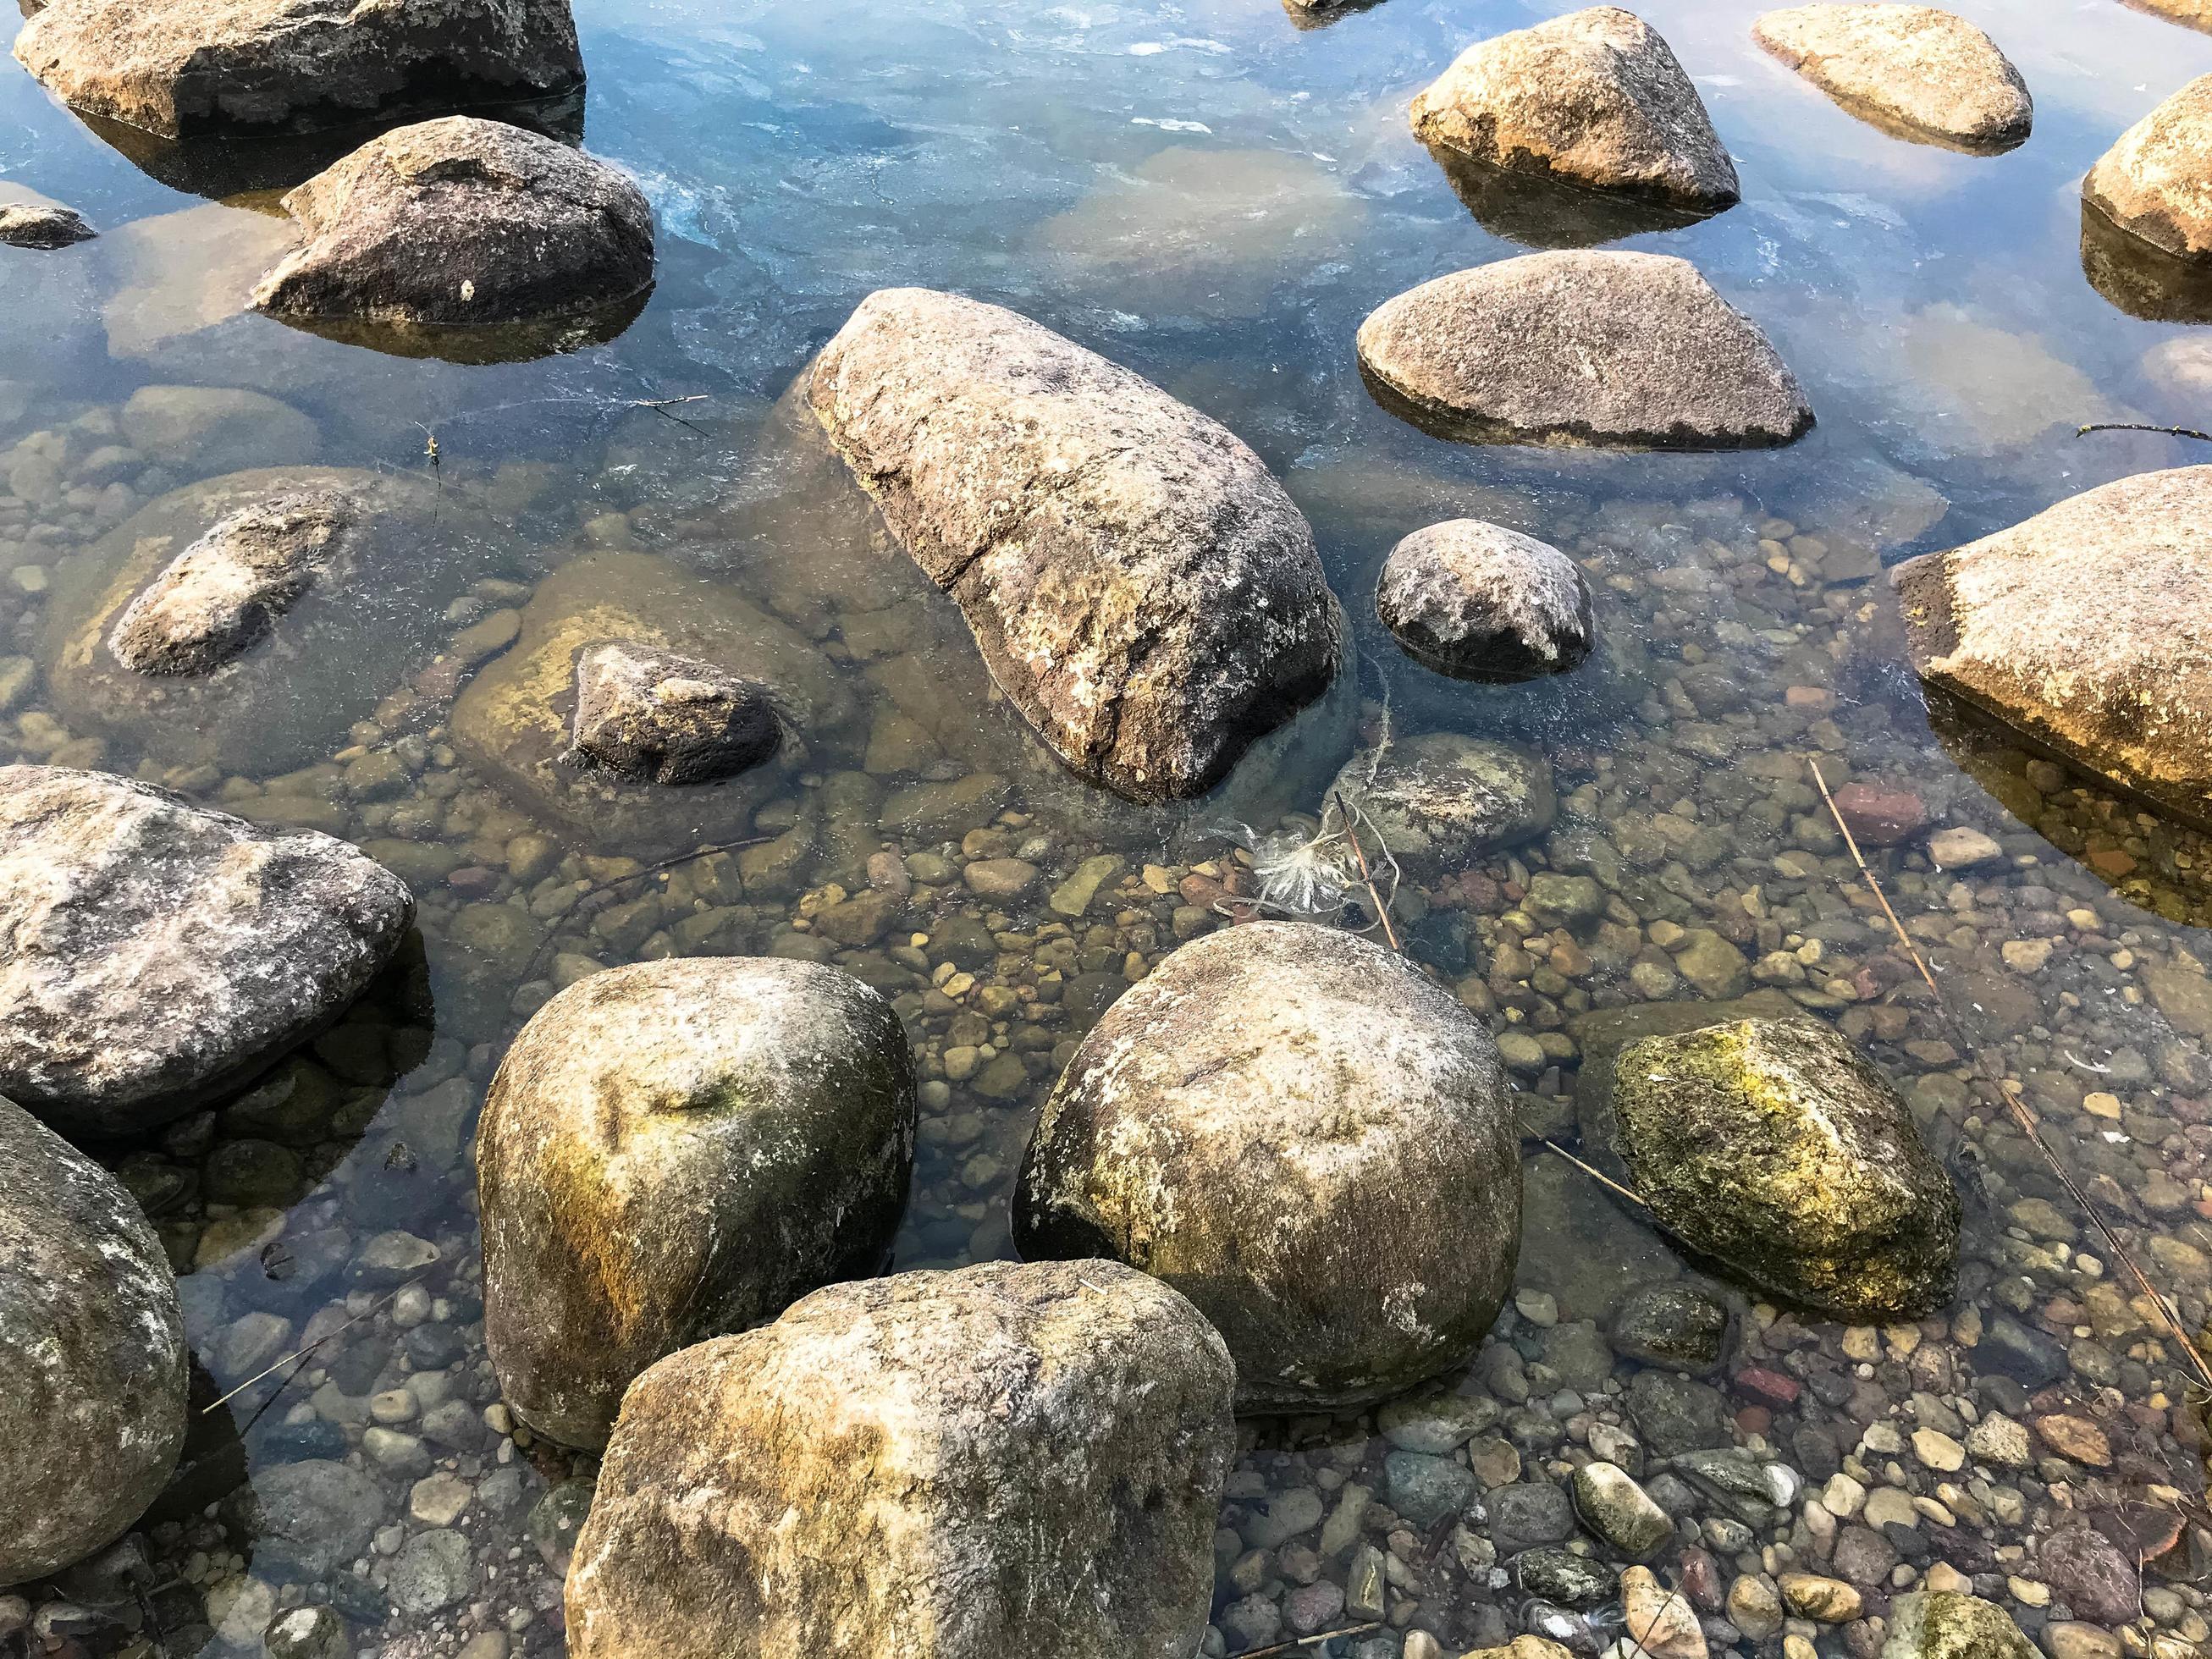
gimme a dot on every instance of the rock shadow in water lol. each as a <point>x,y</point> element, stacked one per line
<point>2143,280</point>
<point>507,342</point>
<point>1542,212</point>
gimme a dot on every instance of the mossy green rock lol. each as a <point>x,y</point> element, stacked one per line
<point>1944,1625</point>
<point>1770,1145</point>
<point>673,1150</point>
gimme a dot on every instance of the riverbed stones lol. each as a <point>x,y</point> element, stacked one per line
<point>2150,183</point>
<point>229,65</point>
<point>653,714</point>
<point>1004,1459</point>
<point>1661,361</point>
<point>1439,800</point>
<point>1594,99</point>
<point>1949,1624</point>
<point>2080,629</point>
<point>1139,585</point>
<point>1477,601</point>
<point>46,226</point>
<point>1770,1146</point>
<point>1912,71</point>
<point>160,954</point>
<point>465,223</point>
<point>93,1417</point>
<point>674,1151</point>
<point>1314,1143</point>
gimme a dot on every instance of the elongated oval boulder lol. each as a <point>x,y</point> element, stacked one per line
<point>159,954</point>
<point>1140,586</point>
<point>1315,1144</point>
<point>209,66</point>
<point>1477,601</point>
<point>1577,347</point>
<point>673,1150</point>
<point>2151,183</point>
<point>1003,1459</point>
<point>228,588</point>
<point>2082,629</point>
<point>1770,1145</point>
<point>1437,800</point>
<point>92,1342</point>
<point>462,223</point>
<point>1913,71</point>
<point>1594,99</point>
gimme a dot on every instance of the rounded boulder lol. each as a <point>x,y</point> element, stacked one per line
<point>1477,601</point>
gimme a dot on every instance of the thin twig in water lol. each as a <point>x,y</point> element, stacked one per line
<point>1381,910</point>
<point>660,406</point>
<point>302,1353</point>
<point>2014,1104</point>
<point>1310,1641</point>
<point>2139,426</point>
<point>1596,1175</point>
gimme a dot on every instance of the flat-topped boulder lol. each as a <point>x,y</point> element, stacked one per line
<point>2083,629</point>
<point>2152,184</point>
<point>1582,347</point>
<point>186,69</point>
<point>1594,99</point>
<point>651,714</point>
<point>44,225</point>
<point>1911,70</point>
<point>1140,586</point>
<point>1477,601</point>
<point>160,954</point>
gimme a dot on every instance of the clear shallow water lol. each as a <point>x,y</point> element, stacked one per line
<point>1215,198</point>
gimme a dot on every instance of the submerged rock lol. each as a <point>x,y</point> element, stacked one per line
<point>1006,1459</point>
<point>1440,799</point>
<point>673,1150</point>
<point>462,223</point>
<point>1660,360</point>
<point>1911,69</point>
<point>2082,629</point>
<point>1594,99</point>
<point>1946,1624</point>
<point>93,1416</point>
<point>2151,183</point>
<point>44,225</point>
<point>1770,1145</point>
<point>160,954</point>
<point>1315,1144</point>
<point>228,588</point>
<point>650,714</point>
<point>1140,588</point>
<point>207,66</point>
<point>1477,601</point>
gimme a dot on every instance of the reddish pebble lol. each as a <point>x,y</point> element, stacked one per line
<point>473,881</point>
<point>1810,697</point>
<point>1754,1419</point>
<point>1701,1581</point>
<point>1768,1387</point>
<point>2110,862</point>
<point>1878,815</point>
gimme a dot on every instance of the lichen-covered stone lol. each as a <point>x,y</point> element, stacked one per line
<point>2082,629</point>
<point>1140,586</point>
<point>1477,601</point>
<point>674,1151</point>
<point>1439,800</point>
<point>1315,1144</point>
<point>1946,1624</point>
<point>1913,71</point>
<point>1770,1145</point>
<point>1003,1460</point>
<point>92,1344</point>
<point>159,954</point>
<point>43,225</point>
<point>1594,99</point>
<point>1582,347</point>
<point>2153,182</point>
<point>650,714</point>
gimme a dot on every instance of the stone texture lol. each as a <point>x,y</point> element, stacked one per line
<point>1946,1624</point>
<point>2151,185</point>
<point>1315,1144</point>
<point>462,221</point>
<point>222,65</point>
<point>227,590</point>
<point>1660,360</point>
<point>160,954</point>
<point>1594,99</point>
<point>44,225</point>
<point>674,1151</point>
<point>1912,71</point>
<point>1006,1459</point>
<point>651,714</point>
<point>2081,628</point>
<point>93,1417</point>
<point>1139,586</point>
<point>1440,799</point>
<point>2197,14</point>
<point>1477,601</point>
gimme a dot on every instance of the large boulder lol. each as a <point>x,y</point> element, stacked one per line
<point>1577,347</point>
<point>1770,1145</point>
<point>674,1151</point>
<point>248,621</point>
<point>462,223</point>
<point>160,954</point>
<point>2151,183</point>
<point>1140,588</point>
<point>2082,629</point>
<point>1913,71</point>
<point>1006,1459</point>
<point>1440,800</point>
<point>1477,601</point>
<point>209,66</point>
<point>92,1342</point>
<point>1594,99</point>
<point>1314,1143</point>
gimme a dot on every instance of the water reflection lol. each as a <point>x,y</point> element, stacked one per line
<point>1542,212</point>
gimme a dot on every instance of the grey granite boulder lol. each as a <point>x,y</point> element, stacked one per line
<point>2151,185</point>
<point>1439,800</point>
<point>1581,347</point>
<point>227,590</point>
<point>651,714</point>
<point>1003,1460</point>
<point>1911,70</point>
<point>160,954</point>
<point>1477,601</point>
<point>673,1150</point>
<point>1344,1206</point>
<point>1140,586</point>
<point>44,225</point>
<point>93,1415</point>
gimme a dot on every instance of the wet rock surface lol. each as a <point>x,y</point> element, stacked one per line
<point>1439,798</point>
<point>1477,601</point>
<point>45,226</point>
<point>650,714</point>
<point>228,589</point>
<point>2149,186</point>
<point>1913,69</point>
